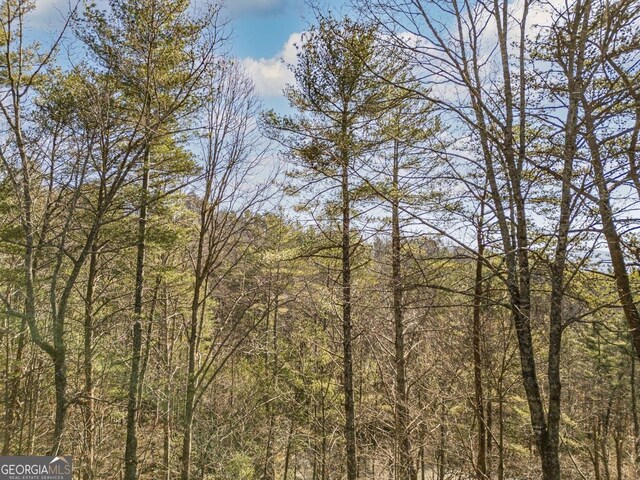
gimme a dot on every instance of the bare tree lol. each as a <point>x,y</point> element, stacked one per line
<point>228,194</point>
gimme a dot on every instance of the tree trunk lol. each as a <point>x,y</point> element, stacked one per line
<point>405,470</point>
<point>168,363</point>
<point>196,306</point>
<point>287,453</point>
<point>481,463</point>
<point>350,427</point>
<point>60,382</point>
<point>422,434</point>
<point>441,447</point>
<point>323,464</point>
<point>191,388</point>
<point>614,244</point>
<point>596,451</point>
<point>12,383</point>
<point>501,433</point>
<point>131,446</point>
<point>89,459</point>
<point>617,438</point>
<point>634,412</point>
<point>144,356</point>
<point>489,432</point>
<point>268,471</point>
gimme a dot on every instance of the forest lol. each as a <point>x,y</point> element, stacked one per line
<point>426,267</point>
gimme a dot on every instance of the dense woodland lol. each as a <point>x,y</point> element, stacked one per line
<point>426,268</point>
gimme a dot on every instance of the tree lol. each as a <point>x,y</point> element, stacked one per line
<point>230,160</point>
<point>446,290</point>
<point>496,109</point>
<point>337,99</point>
<point>155,53</point>
<point>397,174</point>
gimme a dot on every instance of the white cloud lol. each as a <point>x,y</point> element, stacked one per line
<point>540,15</point>
<point>270,75</point>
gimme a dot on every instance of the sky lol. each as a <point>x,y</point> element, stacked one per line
<point>263,36</point>
<point>264,33</point>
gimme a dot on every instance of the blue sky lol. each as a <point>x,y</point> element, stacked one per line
<point>263,26</point>
<point>263,33</point>
<point>263,36</point>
